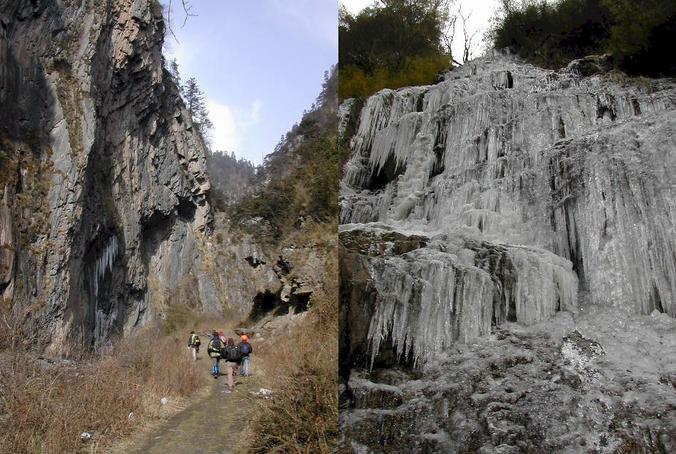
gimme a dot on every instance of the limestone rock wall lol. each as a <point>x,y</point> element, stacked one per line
<point>103,177</point>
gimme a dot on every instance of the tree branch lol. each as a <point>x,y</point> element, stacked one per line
<point>187,12</point>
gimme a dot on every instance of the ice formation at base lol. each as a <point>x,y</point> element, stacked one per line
<point>426,302</point>
<point>105,263</point>
<point>530,182</point>
<point>455,288</point>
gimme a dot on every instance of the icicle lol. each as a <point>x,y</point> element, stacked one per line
<point>492,165</point>
<point>426,302</point>
<point>411,185</point>
<point>105,263</point>
<point>545,284</point>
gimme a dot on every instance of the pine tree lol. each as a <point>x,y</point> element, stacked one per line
<point>173,70</point>
<point>194,100</point>
<point>193,97</point>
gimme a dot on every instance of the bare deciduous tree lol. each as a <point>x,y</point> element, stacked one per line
<point>187,12</point>
<point>468,37</point>
<point>449,35</point>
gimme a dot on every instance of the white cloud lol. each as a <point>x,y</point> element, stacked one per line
<point>183,53</point>
<point>231,126</point>
<point>226,134</point>
<point>354,6</point>
<point>252,117</point>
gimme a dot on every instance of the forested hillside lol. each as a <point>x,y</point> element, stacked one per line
<point>231,178</point>
<point>638,34</point>
<point>394,45</point>
<point>292,210</point>
<point>298,182</point>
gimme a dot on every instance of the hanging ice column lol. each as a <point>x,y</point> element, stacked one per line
<point>444,293</point>
<point>103,320</point>
<point>426,302</point>
<point>105,263</point>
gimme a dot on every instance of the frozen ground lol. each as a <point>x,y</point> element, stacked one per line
<point>596,380</point>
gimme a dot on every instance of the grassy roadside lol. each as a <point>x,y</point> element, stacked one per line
<point>44,407</point>
<point>301,369</point>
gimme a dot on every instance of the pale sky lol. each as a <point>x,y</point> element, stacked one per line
<point>259,62</point>
<point>481,12</point>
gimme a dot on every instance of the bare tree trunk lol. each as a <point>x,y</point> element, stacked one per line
<point>468,37</point>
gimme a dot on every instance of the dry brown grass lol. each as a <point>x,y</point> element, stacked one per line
<point>303,415</point>
<point>10,328</point>
<point>46,407</point>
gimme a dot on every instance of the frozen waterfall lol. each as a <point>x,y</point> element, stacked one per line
<point>426,302</point>
<point>104,263</point>
<point>538,181</point>
<point>454,289</point>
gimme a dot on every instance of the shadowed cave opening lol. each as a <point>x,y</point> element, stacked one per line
<point>268,303</point>
<point>254,262</point>
<point>389,172</point>
<point>186,209</point>
<point>263,304</point>
<point>300,302</point>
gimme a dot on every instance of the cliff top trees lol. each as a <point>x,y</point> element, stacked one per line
<point>393,45</point>
<point>385,36</point>
<point>193,97</point>
<point>638,34</point>
<point>194,101</point>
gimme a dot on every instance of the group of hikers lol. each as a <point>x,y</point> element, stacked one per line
<point>220,347</point>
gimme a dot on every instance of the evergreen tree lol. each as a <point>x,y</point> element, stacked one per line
<point>194,100</point>
<point>173,70</point>
<point>193,97</point>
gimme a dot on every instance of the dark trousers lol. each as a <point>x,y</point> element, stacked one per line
<point>215,370</point>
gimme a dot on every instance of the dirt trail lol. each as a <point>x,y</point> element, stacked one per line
<point>212,424</point>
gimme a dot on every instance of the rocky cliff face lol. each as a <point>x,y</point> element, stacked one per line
<point>103,177</point>
<point>258,282</point>
<point>505,193</point>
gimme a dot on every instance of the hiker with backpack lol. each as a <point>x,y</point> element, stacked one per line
<point>214,350</point>
<point>233,357</point>
<point>246,349</point>
<point>194,344</point>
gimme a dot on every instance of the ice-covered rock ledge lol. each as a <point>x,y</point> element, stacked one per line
<point>432,292</point>
<point>526,185</point>
<point>599,380</point>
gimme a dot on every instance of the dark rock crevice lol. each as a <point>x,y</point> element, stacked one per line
<point>268,304</point>
<point>254,262</point>
<point>264,304</point>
